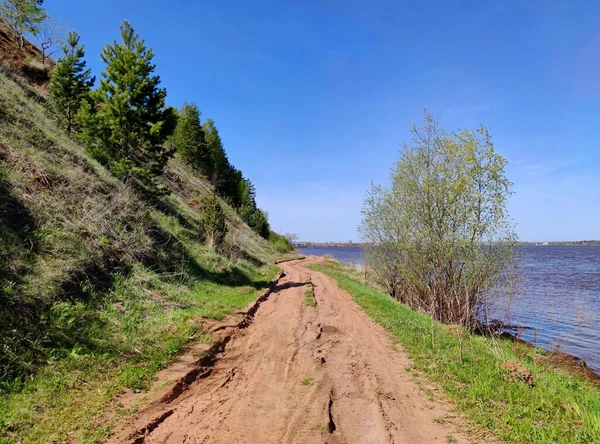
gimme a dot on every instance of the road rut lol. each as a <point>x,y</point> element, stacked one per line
<point>302,374</point>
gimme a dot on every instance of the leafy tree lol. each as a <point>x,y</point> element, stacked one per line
<point>213,222</point>
<point>23,16</point>
<point>190,141</point>
<point>440,237</point>
<point>129,122</point>
<point>71,82</point>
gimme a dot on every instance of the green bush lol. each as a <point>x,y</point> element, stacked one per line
<point>280,243</point>
<point>213,222</point>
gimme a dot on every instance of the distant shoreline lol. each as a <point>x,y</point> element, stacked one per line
<point>586,243</point>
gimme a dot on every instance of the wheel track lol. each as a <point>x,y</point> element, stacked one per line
<point>253,394</point>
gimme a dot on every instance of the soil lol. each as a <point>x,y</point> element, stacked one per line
<point>286,372</point>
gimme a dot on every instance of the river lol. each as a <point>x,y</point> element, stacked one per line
<point>559,300</point>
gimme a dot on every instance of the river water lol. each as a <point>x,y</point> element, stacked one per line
<point>559,300</point>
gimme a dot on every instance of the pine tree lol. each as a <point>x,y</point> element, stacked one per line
<point>129,122</point>
<point>218,158</point>
<point>24,16</point>
<point>189,140</point>
<point>71,82</point>
<point>247,201</point>
<point>213,222</point>
<point>260,224</point>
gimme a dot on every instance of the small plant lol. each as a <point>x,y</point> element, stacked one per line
<point>307,381</point>
<point>320,427</point>
<point>213,222</point>
<point>309,295</point>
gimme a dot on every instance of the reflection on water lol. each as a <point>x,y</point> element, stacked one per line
<point>560,298</point>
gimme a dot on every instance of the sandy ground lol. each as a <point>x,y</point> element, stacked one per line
<point>300,374</point>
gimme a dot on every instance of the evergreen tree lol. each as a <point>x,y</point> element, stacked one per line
<point>127,127</point>
<point>225,177</point>
<point>213,222</point>
<point>23,16</point>
<point>218,158</point>
<point>260,224</point>
<point>247,200</point>
<point>71,82</point>
<point>189,140</point>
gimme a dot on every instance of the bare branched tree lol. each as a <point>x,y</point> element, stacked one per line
<point>291,237</point>
<point>51,37</point>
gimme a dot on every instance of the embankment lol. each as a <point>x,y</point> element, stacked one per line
<point>515,391</point>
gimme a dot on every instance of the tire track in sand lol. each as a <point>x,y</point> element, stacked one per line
<point>300,374</point>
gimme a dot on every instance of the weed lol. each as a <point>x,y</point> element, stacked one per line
<point>309,295</point>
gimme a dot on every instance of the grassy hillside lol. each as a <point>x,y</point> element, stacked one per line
<point>98,288</point>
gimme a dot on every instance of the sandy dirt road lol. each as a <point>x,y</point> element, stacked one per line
<point>302,374</point>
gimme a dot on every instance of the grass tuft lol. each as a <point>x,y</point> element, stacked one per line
<point>309,295</point>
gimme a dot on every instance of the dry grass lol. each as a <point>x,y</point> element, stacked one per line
<point>98,288</point>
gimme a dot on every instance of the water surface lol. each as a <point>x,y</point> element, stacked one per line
<point>559,300</point>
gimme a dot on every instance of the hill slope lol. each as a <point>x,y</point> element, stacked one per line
<point>98,288</point>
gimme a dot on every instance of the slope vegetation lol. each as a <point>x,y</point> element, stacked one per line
<point>99,288</point>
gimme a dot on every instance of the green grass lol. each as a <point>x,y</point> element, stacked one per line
<point>74,396</point>
<point>307,381</point>
<point>99,288</point>
<point>560,407</point>
<point>309,295</point>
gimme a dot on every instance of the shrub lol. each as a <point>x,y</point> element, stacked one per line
<point>213,222</point>
<point>440,237</point>
<point>280,243</point>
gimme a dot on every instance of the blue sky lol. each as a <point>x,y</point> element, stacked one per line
<point>313,99</point>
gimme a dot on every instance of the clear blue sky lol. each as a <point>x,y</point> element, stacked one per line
<point>314,98</point>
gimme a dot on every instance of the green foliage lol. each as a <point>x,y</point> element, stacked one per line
<point>309,295</point>
<point>219,161</point>
<point>213,222</point>
<point>128,123</point>
<point>231,185</point>
<point>559,407</point>
<point>189,140</point>
<point>440,238</point>
<point>98,288</point>
<point>260,224</point>
<point>280,242</point>
<point>71,82</point>
<point>24,16</point>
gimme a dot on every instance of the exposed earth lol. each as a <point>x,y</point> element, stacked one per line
<point>296,373</point>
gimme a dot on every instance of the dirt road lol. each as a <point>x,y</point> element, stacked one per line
<point>301,374</point>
